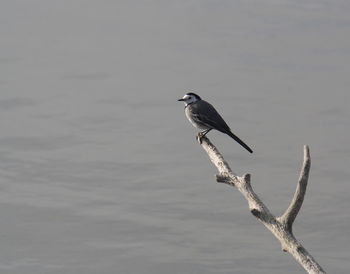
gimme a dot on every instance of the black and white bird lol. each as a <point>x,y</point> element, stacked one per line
<point>204,116</point>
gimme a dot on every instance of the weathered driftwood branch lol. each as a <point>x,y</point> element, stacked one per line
<point>281,227</point>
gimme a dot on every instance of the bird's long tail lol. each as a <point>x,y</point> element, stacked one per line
<point>239,141</point>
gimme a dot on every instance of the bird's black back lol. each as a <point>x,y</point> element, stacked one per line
<point>204,113</point>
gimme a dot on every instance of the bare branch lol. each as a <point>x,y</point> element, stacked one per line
<point>292,211</point>
<point>281,227</point>
<point>215,157</point>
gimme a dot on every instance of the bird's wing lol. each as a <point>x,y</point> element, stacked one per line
<point>205,113</point>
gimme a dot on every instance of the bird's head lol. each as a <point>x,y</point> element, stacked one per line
<point>190,98</point>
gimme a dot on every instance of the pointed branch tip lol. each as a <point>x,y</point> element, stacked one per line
<point>306,152</point>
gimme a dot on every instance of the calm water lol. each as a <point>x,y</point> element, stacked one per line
<point>100,171</point>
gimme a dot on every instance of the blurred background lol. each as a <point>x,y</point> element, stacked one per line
<point>100,171</point>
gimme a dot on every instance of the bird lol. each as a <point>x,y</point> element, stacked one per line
<point>204,116</point>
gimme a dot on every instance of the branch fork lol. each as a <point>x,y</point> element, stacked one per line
<point>280,227</point>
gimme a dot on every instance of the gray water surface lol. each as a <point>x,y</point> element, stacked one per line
<point>99,169</point>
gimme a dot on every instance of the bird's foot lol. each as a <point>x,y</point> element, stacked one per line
<point>199,137</point>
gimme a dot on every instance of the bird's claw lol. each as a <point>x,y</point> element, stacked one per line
<point>199,137</point>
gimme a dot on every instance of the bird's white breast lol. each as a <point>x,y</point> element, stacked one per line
<point>193,122</point>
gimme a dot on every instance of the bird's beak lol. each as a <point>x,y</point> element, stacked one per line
<point>181,99</point>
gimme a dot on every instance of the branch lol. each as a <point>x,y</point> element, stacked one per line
<point>292,211</point>
<point>280,227</point>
